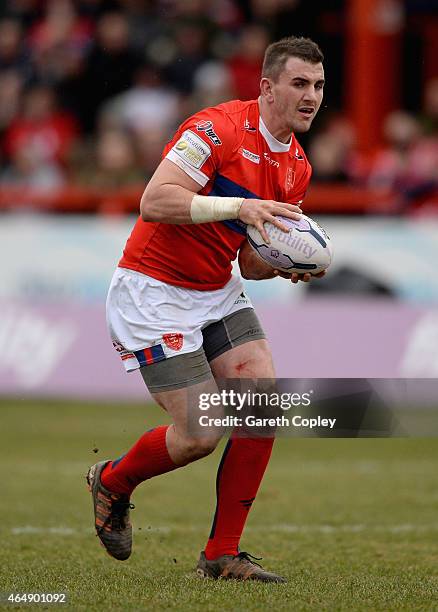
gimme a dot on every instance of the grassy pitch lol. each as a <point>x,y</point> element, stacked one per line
<point>352,524</point>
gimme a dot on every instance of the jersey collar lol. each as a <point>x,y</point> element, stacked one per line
<point>275,145</point>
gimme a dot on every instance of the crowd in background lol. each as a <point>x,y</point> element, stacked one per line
<point>407,161</point>
<point>90,90</point>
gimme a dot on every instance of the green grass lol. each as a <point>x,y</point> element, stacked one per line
<point>353,524</point>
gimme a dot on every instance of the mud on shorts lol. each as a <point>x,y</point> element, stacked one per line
<point>171,333</point>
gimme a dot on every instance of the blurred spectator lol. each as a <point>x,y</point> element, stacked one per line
<point>226,13</point>
<point>91,54</point>
<point>391,164</point>
<point>149,104</point>
<point>191,52</point>
<point>25,11</point>
<point>150,143</point>
<point>408,163</point>
<point>185,9</point>
<point>10,91</point>
<point>41,128</point>
<point>430,108</point>
<point>59,39</point>
<point>110,164</point>
<point>93,9</point>
<point>246,64</point>
<point>28,169</point>
<point>332,152</point>
<point>60,25</point>
<point>286,17</point>
<point>13,54</point>
<point>145,26</point>
<point>110,65</point>
<point>260,9</point>
<point>213,85</point>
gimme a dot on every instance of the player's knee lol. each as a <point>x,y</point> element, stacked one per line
<point>196,448</point>
<point>257,364</point>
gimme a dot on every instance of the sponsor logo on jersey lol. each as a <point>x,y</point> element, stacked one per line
<point>297,155</point>
<point>248,127</point>
<point>173,341</point>
<point>249,155</point>
<point>192,149</point>
<point>208,128</point>
<point>203,125</point>
<point>270,161</point>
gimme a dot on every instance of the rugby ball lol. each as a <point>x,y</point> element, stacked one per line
<point>306,247</point>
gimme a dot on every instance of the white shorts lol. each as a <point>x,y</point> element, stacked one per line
<point>149,320</point>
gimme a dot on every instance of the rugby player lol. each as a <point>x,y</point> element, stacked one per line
<point>176,312</point>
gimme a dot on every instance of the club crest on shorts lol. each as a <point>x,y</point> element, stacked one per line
<point>173,341</point>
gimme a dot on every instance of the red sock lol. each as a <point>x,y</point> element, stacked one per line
<point>147,458</point>
<point>239,475</point>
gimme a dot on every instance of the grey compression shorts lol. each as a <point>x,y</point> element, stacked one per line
<point>191,368</point>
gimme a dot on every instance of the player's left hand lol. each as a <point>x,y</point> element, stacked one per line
<point>295,277</point>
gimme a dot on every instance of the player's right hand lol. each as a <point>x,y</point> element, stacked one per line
<point>257,212</point>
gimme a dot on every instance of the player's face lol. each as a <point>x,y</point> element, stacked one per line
<point>298,94</point>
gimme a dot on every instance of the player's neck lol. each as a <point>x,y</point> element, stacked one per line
<point>275,127</point>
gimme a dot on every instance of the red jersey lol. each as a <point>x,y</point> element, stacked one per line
<point>228,150</point>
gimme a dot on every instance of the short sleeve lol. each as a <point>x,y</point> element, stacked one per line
<point>201,143</point>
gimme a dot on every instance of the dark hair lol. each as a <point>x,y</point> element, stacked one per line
<point>279,52</point>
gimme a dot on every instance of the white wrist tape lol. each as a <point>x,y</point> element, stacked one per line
<point>205,209</point>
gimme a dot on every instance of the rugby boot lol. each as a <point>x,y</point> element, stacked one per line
<point>237,567</point>
<point>111,515</point>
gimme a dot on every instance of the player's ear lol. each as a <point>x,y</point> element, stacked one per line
<point>266,89</point>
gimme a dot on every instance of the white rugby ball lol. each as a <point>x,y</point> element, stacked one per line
<point>306,247</point>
